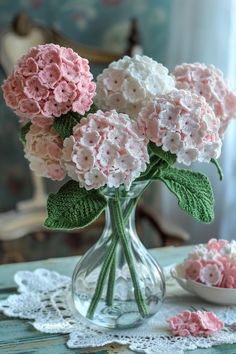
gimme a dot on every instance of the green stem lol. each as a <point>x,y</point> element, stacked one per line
<point>111,278</point>
<point>119,227</point>
<point>111,281</point>
<point>102,278</point>
<point>219,170</point>
<point>108,260</point>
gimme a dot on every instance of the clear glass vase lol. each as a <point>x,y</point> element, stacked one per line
<point>117,283</point>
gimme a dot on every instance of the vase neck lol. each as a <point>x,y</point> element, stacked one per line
<point>124,203</point>
<point>130,227</point>
<point>121,208</point>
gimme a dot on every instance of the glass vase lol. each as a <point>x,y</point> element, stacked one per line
<point>117,283</point>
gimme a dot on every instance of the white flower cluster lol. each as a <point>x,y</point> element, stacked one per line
<point>129,83</point>
<point>208,81</point>
<point>184,124</point>
<point>105,149</point>
<point>223,248</point>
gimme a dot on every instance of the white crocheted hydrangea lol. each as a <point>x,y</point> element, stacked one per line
<point>127,84</point>
<point>106,148</point>
<point>184,124</point>
<point>208,81</point>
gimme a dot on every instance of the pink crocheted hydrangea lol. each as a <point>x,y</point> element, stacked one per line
<point>213,264</point>
<point>47,82</point>
<point>105,149</point>
<point>209,82</point>
<point>43,149</point>
<point>184,124</point>
<point>127,84</point>
<point>198,323</point>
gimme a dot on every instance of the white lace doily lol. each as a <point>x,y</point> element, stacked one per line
<point>44,298</point>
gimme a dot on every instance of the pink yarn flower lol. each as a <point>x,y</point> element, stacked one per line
<point>12,101</point>
<point>216,245</point>
<point>208,82</point>
<point>105,149</point>
<point>29,106</point>
<point>211,274</point>
<point>184,124</point>
<point>49,81</point>
<point>213,264</point>
<point>193,269</point>
<point>30,68</point>
<point>199,323</point>
<point>50,56</point>
<point>12,87</point>
<point>34,89</point>
<point>65,91</point>
<point>67,54</point>
<point>50,75</point>
<point>53,108</point>
<point>229,279</point>
<point>80,103</point>
<point>43,149</point>
<point>70,71</point>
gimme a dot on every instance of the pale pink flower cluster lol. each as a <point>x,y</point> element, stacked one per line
<point>43,149</point>
<point>127,84</point>
<point>47,82</point>
<point>209,82</point>
<point>105,149</point>
<point>213,264</point>
<point>198,323</point>
<point>184,124</point>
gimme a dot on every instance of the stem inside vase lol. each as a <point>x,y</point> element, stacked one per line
<point>117,284</point>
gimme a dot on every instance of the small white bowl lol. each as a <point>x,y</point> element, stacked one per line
<point>220,296</point>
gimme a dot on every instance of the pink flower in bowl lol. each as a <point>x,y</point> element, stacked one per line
<point>216,245</point>
<point>209,272</point>
<point>229,279</point>
<point>211,275</point>
<point>193,270</point>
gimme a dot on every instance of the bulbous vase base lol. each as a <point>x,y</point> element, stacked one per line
<point>121,315</point>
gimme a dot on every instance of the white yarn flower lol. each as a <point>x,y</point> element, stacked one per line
<point>129,83</point>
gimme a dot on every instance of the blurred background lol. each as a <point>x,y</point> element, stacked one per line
<point>169,31</point>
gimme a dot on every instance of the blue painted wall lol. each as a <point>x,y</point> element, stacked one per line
<point>99,23</point>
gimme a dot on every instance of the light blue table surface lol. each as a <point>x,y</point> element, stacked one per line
<point>19,337</point>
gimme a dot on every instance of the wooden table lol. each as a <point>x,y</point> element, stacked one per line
<point>19,337</point>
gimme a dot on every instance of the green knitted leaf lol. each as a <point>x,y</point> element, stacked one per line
<point>193,191</point>
<point>65,123</point>
<point>218,168</point>
<point>164,155</point>
<point>93,109</point>
<point>73,207</point>
<point>23,131</point>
